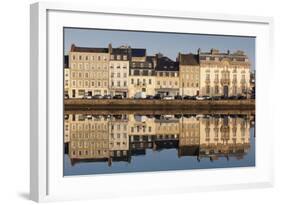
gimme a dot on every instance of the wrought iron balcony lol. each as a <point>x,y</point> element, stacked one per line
<point>225,81</point>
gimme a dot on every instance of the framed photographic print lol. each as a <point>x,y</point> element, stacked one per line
<point>150,101</point>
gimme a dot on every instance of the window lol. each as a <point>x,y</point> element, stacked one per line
<point>112,83</point>
<point>112,57</point>
<point>207,89</point>
<point>80,75</point>
<point>99,83</point>
<point>73,57</point>
<point>73,65</point>
<point>86,83</point>
<point>86,75</point>
<point>132,81</point>
<point>86,58</point>
<point>80,83</point>
<point>81,92</point>
<point>112,75</point>
<point>104,58</point>
<point>80,57</point>
<point>125,57</point>
<point>99,58</point>
<point>216,89</point>
<point>73,75</point>
<point>125,75</point>
<point>118,75</point>
<point>125,83</point>
<point>73,83</point>
<point>93,83</point>
<point>80,66</point>
<point>118,57</point>
<point>118,83</point>
<point>144,81</point>
<point>149,81</point>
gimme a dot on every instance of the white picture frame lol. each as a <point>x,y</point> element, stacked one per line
<point>46,102</point>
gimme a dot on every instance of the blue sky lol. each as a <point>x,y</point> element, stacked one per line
<point>167,43</point>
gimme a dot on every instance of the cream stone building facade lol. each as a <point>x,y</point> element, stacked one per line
<point>119,71</point>
<point>142,78</point>
<point>225,74</point>
<point>88,71</point>
<point>167,76</point>
<point>189,74</point>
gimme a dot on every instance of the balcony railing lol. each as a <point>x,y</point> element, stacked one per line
<point>225,81</point>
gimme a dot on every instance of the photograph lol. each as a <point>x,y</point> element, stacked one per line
<point>149,101</point>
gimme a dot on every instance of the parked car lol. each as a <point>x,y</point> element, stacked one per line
<point>87,97</point>
<point>107,97</point>
<point>241,97</point>
<point>150,97</point>
<point>178,97</point>
<point>168,97</point>
<point>97,97</point>
<point>216,98</point>
<point>188,97</point>
<point>157,97</point>
<point>66,96</point>
<point>205,97</point>
<point>233,97</point>
<point>140,95</point>
<point>118,97</point>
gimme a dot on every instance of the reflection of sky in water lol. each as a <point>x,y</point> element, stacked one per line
<point>166,159</point>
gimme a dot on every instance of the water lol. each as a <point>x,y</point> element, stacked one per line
<point>98,143</point>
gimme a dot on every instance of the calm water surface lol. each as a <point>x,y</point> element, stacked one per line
<point>100,144</point>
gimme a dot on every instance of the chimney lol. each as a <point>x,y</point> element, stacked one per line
<point>199,51</point>
<point>72,47</point>
<point>110,48</point>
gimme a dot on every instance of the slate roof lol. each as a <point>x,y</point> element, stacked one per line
<point>138,52</point>
<point>189,59</point>
<point>88,49</point>
<point>166,64</point>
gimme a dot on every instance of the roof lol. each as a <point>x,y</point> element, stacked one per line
<point>166,64</point>
<point>138,52</point>
<point>189,59</point>
<point>88,49</point>
<point>120,51</point>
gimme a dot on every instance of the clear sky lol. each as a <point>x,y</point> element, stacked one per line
<point>170,44</point>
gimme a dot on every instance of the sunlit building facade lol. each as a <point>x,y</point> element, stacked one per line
<point>88,71</point>
<point>226,74</point>
<point>189,74</point>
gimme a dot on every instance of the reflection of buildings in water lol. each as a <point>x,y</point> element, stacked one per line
<point>117,138</point>
<point>224,137</point>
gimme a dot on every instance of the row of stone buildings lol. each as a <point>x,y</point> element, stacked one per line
<point>115,139</point>
<point>128,71</point>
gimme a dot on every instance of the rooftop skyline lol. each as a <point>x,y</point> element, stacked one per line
<point>169,44</point>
